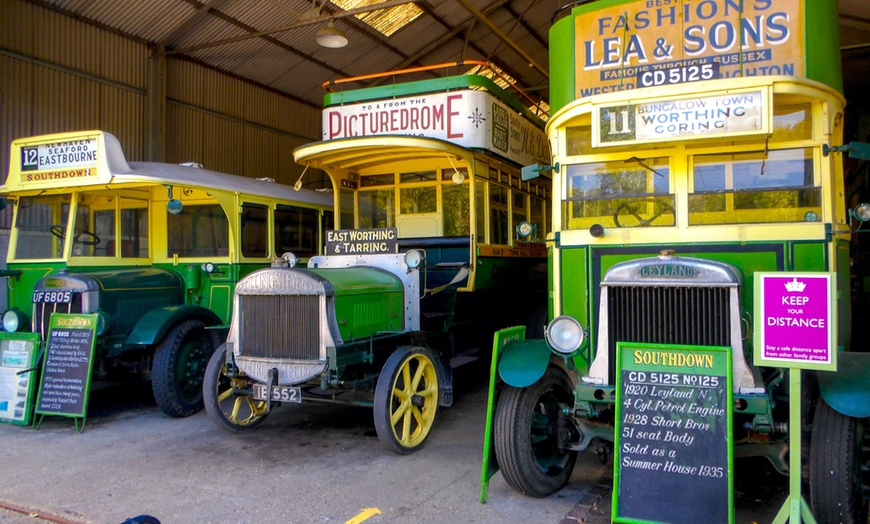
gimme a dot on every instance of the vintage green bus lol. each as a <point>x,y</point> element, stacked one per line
<point>437,245</point>
<point>694,145</point>
<point>154,249</point>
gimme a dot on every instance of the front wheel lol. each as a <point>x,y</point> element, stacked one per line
<point>406,399</point>
<point>179,367</point>
<point>227,396</point>
<point>525,434</point>
<point>837,457</point>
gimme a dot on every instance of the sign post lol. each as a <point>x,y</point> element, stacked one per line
<point>674,454</point>
<point>795,327</point>
<point>66,369</point>
<point>490,467</point>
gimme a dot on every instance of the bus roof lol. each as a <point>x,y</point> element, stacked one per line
<point>95,159</point>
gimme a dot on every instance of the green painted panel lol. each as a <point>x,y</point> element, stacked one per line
<point>575,294</point>
<point>348,281</point>
<point>809,257</point>
<point>561,64</point>
<point>823,42</point>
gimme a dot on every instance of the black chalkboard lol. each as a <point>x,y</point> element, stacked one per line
<point>673,460</point>
<point>66,368</point>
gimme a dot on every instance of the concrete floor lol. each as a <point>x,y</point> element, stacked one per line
<point>305,464</point>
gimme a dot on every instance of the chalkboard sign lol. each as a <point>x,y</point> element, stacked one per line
<point>673,460</point>
<point>66,369</point>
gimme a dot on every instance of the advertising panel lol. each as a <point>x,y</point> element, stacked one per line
<point>632,44</point>
<point>472,119</point>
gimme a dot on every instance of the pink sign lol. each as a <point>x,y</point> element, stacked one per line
<point>797,318</point>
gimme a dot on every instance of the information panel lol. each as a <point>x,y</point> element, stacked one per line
<point>673,460</point>
<point>18,355</point>
<point>66,370</point>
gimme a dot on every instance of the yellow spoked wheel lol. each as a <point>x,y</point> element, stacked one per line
<point>226,402</point>
<point>406,399</point>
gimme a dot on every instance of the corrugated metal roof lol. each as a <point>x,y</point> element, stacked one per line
<point>290,61</point>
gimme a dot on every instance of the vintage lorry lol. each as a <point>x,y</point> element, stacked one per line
<point>435,248</point>
<point>154,249</point>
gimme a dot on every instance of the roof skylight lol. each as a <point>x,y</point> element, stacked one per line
<point>385,21</point>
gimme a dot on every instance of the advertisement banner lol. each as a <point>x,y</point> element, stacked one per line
<point>472,119</point>
<point>622,47</point>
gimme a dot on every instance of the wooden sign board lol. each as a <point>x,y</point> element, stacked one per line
<point>66,369</point>
<point>673,458</point>
<point>19,353</point>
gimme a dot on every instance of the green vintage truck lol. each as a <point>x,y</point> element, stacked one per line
<point>435,249</point>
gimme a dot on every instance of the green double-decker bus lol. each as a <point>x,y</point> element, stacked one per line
<point>694,145</point>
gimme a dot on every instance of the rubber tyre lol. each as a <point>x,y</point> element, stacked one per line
<point>406,399</point>
<point>836,457</point>
<point>225,401</point>
<point>524,435</point>
<point>179,367</point>
<point>537,323</point>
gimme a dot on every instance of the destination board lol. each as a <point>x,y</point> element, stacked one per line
<point>362,241</point>
<point>673,424</point>
<point>66,370</point>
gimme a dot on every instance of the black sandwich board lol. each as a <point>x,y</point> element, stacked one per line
<point>66,368</point>
<point>673,461</point>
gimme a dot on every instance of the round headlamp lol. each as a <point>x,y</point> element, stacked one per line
<point>565,335</point>
<point>290,258</point>
<point>14,320</point>
<point>413,258</point>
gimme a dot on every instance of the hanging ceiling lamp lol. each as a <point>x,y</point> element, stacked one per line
<point>330,36</point>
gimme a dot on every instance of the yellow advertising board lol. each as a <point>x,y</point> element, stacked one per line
<point>647,43</point>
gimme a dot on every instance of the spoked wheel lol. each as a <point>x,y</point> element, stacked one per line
<point>227,396</point>
<point>179,366</point>
<point>525,436</point>
<point>838,455</point>
<point>406,399</point>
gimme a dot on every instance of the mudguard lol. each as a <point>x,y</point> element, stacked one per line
<point>846,390</point>
<point>152,327</point>
<point>523,362</point>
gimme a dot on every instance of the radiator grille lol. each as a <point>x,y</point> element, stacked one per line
<point>280,326</point>
<point>42,312</point>
<point>668,315</point>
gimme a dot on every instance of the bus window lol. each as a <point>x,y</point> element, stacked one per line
<point>346,201</point>
<point>41,223</point>
<point>498,215</point>
<point>578,140</point>
<point>86,239</point>
<point>255,230</point>
<point>134,229</point>
<point>457,209</point>
<point>627,193</point>
<point>377,208</point>
<point>792,122</point>
<point>518,211</point>
<point>536,215</point>
<point>198,231</point>
<point>754,187</point>
<point>296,231</point>
<point>480,191</point>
